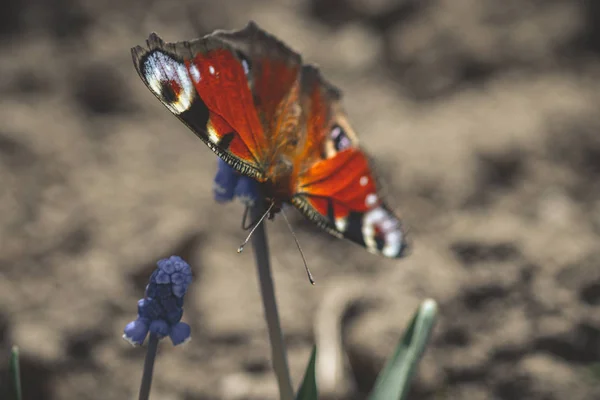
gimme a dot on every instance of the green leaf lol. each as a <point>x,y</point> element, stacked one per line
<point>394,380</point>
<point>308,389</point>
<point>15,372</point>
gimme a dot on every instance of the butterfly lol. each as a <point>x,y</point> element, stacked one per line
<point>253,102</point>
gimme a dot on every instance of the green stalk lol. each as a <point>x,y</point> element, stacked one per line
<point>263,266</point>
<point>15,371</point>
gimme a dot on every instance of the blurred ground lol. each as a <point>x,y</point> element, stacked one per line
<point>483,117</point>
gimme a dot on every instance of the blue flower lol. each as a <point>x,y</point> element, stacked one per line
<point>180,333</point>
<point>161,310</point>
<point>136,331</point>
<point>229,184</point>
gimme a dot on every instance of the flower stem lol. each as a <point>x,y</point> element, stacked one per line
<point>148,367</point>
<point>263,265</point>
<point>16,372</point>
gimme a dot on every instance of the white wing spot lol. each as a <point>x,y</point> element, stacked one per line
<point>212,134</point>
<point>335,132</point>
<point>195,73</point>
<point>160,68</point>
<point>211,69</point>
<point>246,67</point>
<point>364,180</point>
<point>371,199</point>
<point>341,224</point>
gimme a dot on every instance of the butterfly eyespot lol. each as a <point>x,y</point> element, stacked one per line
<point>340,139</point>
<point>170,91</point>
<point>382,233</point>
<point>337,140</point>
<point>170,81</point>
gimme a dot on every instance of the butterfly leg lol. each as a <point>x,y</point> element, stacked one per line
<point>245,218</point>
<point>241,248</point>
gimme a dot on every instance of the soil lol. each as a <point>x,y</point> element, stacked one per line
<point>482,117</point>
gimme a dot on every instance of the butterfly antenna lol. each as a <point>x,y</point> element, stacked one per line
<point>241,248</point>
<point>310,277</point>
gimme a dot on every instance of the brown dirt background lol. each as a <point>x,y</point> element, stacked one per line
<point>483,118</point>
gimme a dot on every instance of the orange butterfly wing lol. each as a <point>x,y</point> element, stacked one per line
<point>222,90</point>
<point>334,185</point>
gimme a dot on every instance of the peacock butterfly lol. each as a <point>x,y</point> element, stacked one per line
<point>252,101</point>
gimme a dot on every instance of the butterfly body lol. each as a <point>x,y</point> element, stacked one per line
<point>271,118</point>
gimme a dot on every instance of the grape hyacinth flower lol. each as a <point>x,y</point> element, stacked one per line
<point>160,311</point>
<point>230,184</point>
